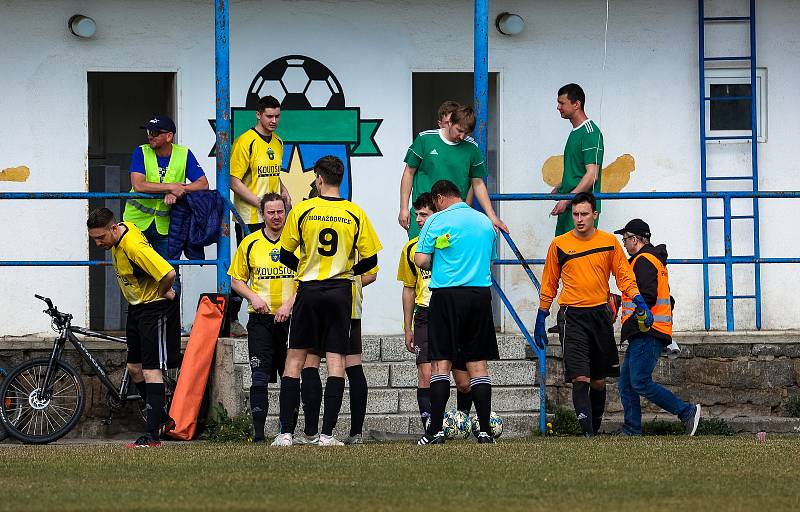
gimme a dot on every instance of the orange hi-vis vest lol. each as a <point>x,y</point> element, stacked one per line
<point>662,311</point>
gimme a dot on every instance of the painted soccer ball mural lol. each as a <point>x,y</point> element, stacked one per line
<point>299,83</point>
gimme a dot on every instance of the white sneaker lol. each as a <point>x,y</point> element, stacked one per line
<point>237,330</point>
<point>304,439</point>
<point>282,440</point>
<point>329,441</point>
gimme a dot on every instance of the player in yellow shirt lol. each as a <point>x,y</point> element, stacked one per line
<point>416,298</point>
<point>153,324</point>
<point>258,275</point>
<point>256,162</point>
<point>331,234</point>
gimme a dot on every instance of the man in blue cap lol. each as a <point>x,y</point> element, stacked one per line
<point>160,167</point>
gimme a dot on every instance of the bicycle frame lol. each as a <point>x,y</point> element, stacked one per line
<point>68,334</point>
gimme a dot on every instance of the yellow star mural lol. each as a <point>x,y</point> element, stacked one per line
<point>296,179</point>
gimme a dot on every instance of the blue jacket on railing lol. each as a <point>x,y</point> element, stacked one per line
<point>194,223</point>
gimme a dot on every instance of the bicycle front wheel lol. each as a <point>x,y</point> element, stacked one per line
<point>33,415</point>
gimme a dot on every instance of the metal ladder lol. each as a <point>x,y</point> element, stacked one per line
<point>752,178</point>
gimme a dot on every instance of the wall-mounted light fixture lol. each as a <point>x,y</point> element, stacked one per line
<point>509,24</point>
<point>82,26</point>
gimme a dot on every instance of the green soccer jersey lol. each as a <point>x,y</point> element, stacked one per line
<point>436,159</point>
<point>584,146</point>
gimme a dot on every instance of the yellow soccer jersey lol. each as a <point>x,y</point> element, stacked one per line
<point>138,266</point>
<point>332,234</point>
<point>358,294</point>
<point>257,263</point>
<point>258,164</point>
<point>414,277</point>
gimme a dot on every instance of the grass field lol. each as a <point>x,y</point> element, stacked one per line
<point>554,474</point>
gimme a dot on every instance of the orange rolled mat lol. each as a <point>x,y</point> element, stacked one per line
<point>196,365</point>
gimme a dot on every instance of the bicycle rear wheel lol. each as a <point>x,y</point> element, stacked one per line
<point>3,433</point>
<point>33,418</point>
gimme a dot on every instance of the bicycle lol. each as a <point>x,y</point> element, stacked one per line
<point>3,433</point>
<point>43,399</point>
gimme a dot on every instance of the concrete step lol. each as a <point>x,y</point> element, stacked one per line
<point>393,401</point>
<point>393,349</point>
<point>514,424</point>
<point>404,375</point>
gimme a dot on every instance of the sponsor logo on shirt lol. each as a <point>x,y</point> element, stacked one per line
<point>275,254</point>
<point>265,171</point>
<point>434,152</point>
<point>270,154</point>
<point>162,171</point>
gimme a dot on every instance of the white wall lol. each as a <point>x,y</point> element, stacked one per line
<point>649,110</point>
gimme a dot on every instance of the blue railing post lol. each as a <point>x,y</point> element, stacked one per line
<point>704,202</point>
<point>754,155</point>
<point>726,212</point>
<point>223,125</point>
<point>481,72</point>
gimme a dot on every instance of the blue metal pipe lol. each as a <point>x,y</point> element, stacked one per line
<point>223,126</point>
<point>726,205</point>
<point>92,263</point>
<point>702,108</point>
<point>541,355</point>
<point>711,260</point>
<point>77,195</point>
<point>481,72</point>
<point>754,157</point>
<point>522,261</point>
<point>544,196</point>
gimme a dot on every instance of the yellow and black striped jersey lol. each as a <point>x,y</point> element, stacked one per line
<point>257,263</point>
<point>412,276</point>
<point>332,234</point>
<point>358,294</point>
<point>138,266</point>
<point>257,162</point>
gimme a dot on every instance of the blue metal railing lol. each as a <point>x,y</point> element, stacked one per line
<point>728,259</point>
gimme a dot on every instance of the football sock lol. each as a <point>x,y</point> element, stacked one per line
<point>598,400</point>
<point>141,387</point>
<point>334,391</point>
<point>424,403</point>
<point>155,405</point>
<point>464,401</point>
<point>311,394</point>
<point>440,392</point>
<point>258,409</point>
<point>289,403</point>
<point>482,396</point>
<point>583,407</point>
<point>358,398</point>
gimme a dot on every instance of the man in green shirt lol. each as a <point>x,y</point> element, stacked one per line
<point>446,154</point>
<point>583,155</point>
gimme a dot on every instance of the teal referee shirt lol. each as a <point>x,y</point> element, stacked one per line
<point>463,243</point>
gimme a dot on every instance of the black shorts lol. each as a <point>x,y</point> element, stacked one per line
<point>153,333</point>
<point>266,344</point>
<point>321,316</point>
<point>588,341</point>
<point>354,347</point>
<point>460,326</point>
<point>421,335</point>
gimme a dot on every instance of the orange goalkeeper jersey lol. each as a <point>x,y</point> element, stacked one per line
<point>584,267</point>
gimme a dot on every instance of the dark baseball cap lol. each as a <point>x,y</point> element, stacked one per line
<point>159,123</point>
<point>635,227</point>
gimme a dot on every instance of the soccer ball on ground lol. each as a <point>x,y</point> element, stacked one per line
<point>456,424</point>
<point>495,422</point>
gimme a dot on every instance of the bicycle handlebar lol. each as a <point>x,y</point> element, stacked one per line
<point>59,317</point>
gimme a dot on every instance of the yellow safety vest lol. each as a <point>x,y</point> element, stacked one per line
<point>662,311</point>
<point>142,212</point>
